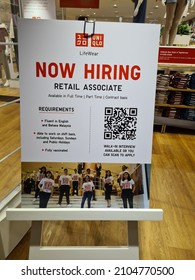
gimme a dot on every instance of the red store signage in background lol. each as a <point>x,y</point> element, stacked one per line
<point>176,55</point>
<point>93,4</point>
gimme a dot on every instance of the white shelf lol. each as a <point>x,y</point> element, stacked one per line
<point>73,214</point>
<point>174,122</point>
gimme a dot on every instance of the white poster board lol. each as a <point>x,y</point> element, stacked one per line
<point>39,9</point>
<point>87,99</point>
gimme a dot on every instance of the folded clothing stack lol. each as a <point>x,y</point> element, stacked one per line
<point>192,81</point>
<point>188,114</point>
<point>189,99</point>
<point>161,97</point>
<point>158,111</point>
<point>179,80</point>
<point>175,97</point>
<point>162,82</point>
<point>172,113</point>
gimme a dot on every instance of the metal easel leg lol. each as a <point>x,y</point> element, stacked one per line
<point>163,128</point>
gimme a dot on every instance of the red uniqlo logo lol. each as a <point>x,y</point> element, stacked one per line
<point>81,40</point>
<point>97,41</point>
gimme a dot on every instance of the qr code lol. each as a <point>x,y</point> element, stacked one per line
<point>120,123</point>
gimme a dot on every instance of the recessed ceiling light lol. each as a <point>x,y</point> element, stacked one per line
<point>150,13</point>
<point>116,12</point>
<point>115,6</point>
<point>94,13</point>
<point>156,7</point>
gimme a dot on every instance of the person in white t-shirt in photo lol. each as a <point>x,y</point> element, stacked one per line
<point>65,182</point>
<point>88,188</point>
<point>128,187</point>
<point>120,175</point>
<point>40,175</point>
<point>75,182</point>
<point>108,182</point>
<point>88,173</point>
<point>46,187</point>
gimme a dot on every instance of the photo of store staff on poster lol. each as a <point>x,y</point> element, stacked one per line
<point>81,185</point>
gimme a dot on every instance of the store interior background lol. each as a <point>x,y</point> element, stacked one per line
<point>173,165</point>
<point>109,10</point>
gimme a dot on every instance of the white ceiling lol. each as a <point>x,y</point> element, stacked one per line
<point>106,12</point>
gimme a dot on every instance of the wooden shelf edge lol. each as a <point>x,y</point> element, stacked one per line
<point>175,106</point>
<point>183,90</point>
<point>174,122</point>
<point>176,66</point>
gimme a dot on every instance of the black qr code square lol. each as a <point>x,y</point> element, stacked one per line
<point>120,123</point>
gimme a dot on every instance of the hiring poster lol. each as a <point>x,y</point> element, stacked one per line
<point>87,100</point>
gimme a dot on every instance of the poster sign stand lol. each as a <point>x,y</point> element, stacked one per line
<point>129,252</point>
<point>87,96</point>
